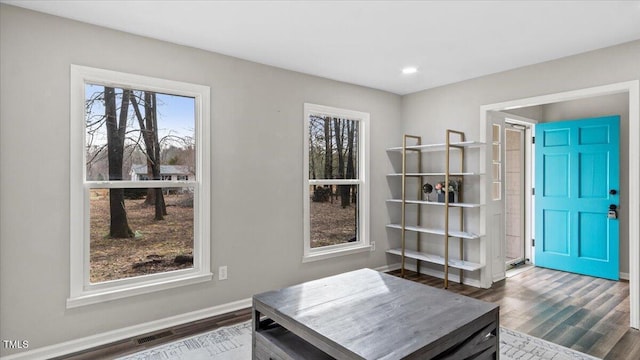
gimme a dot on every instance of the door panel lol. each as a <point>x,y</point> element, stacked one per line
<point>495,204</point>
<point>578,165</point>
<point>591,247</point>
<point>556,185</point>
<point>592,185</point>
<point>556,232</point>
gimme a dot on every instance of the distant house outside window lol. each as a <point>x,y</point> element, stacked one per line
<point>135,228</point>
<point>167,172</point>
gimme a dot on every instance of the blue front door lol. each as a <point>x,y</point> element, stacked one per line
<point>577,184</point>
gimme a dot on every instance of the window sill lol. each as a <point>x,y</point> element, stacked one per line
<point>316,255</point>
<point>108,294</point>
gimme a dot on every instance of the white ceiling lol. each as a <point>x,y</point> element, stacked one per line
<point>369,42</point>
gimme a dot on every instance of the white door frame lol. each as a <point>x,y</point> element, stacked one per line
<point>632,88</point>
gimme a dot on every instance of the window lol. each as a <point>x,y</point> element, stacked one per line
<point>496,165</point>
<point>134,228</point>
<point>336,190</point>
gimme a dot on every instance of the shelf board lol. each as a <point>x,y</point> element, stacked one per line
<point>435,174</point>
<point>452,233</point>
<point>438,147</point>
<point>423,202</point>
<point>436,259</point>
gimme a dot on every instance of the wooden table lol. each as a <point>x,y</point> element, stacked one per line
<point>366,314</point>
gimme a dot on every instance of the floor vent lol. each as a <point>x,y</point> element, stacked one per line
<point>153,337</point>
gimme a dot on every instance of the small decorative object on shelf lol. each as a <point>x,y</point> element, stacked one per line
<point>451,196</point>
<point>454,187</point>
<point>427,189</point>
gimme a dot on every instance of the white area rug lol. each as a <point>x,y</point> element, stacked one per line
<point>227,343</point>
<point>234,343</point>
<point>518,346</point>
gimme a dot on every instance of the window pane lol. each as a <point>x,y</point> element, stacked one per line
<point>496,190</point>
<point>333,148</point>
<point>140,244</point>
<point>496,152</point>
<point>496,133</point>
<point>334,214</point>
<point>127,132</point>
<point>496,171</point>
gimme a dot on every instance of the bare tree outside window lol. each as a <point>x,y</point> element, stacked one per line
<point>134,135</point>
<point>333,155</point>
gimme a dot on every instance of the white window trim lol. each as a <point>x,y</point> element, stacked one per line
<point>82,292</point>
<point>363,243</point>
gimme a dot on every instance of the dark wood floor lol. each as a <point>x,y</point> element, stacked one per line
<point>586,314</point>
<point>583,313</point>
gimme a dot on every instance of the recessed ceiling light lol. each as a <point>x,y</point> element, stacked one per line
<point>410,70</point>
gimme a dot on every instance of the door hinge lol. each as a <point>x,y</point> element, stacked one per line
<point>533,242</point>
<point>533,191</point>
<point>533,139</point>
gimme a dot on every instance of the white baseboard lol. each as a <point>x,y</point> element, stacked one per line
<point>89,342</point>
<point>387,268</point>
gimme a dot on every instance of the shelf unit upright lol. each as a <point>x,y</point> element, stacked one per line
<point>452,144</point>
<point>447,177</point>
<point>403,230</point>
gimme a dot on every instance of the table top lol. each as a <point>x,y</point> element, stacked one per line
<point>372,315</point>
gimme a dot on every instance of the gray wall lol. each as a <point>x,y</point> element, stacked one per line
<point>257,129</point>
<point>457,105</point>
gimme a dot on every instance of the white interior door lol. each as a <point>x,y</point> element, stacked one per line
<point>515,191</point>
<point>495,204</point>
